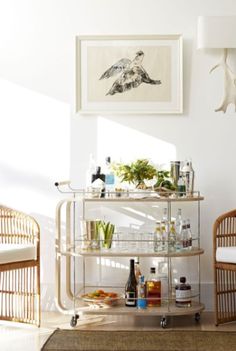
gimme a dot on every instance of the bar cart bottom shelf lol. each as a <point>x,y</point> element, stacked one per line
<point>162,311</point>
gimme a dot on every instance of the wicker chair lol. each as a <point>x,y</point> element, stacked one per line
<point>224,251</point>
<point>19,267</point>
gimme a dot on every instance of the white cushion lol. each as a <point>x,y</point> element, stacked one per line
<point>226,254</point>
<point>17,252</point>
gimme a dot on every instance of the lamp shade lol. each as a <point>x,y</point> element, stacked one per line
<point>216,32</point>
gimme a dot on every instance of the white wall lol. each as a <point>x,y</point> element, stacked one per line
<point>37,53</point>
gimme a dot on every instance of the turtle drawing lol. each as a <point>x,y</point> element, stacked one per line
<point>131,74</point>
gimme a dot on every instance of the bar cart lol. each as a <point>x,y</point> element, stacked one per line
<point>69,249</point>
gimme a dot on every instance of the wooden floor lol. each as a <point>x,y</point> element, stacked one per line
<point>19,337</point>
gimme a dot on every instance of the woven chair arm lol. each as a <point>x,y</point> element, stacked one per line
<point>17,227</point>
<point>224,231</point>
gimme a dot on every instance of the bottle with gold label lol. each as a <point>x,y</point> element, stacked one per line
<point>164,236</point>
<point>172,237</point>
<point>158,237</point>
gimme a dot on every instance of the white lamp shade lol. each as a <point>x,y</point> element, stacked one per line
<point>216,32</point>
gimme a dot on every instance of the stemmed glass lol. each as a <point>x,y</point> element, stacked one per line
<point>150,182</point>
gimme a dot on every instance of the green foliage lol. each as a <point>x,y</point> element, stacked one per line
<point>163,180</point>
<point>135,172</point>
<point>106,231</point>
<point>138,171</point>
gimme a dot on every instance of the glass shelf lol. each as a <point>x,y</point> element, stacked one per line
<point>77,251</point>
<point>166,310</point>
<point>145,199</point>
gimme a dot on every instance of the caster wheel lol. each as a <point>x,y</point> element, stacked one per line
<point>163,322</point>
<point>197,317</point>
<point>73,321</point>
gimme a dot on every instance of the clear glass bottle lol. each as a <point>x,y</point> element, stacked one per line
<point>184,236</point>
<point>164,215</point>
<point>137,271</point>
<point>183,294</point>
<point>153,289</point>
<point>131,288</point>
<point>178,221</point>
<point>141,302</point>
<point>181,186</point>
<point>164,236</point>
<point>158,237</point>
<point>189,234</point>
<point>172,237</point>
<point>109,177</point>
<point>178,227</point>
<point>91,170</point>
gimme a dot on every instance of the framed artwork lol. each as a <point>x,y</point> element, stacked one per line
<point>129,74</point>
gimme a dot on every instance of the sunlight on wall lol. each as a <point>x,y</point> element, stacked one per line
<point>127,144</point>
<point>34,154</point>
<point>35,148</point>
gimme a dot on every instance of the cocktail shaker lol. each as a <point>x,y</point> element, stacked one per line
<point>188,176</point>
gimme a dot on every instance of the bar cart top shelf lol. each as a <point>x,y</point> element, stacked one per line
<point>110,253</point>
<point>145,199</point>
<point>128,195</point>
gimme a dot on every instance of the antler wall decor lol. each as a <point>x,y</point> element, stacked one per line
<point>229,83</point>
<point>218,32</point>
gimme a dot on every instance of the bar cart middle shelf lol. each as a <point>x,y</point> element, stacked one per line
<point>70,249</point>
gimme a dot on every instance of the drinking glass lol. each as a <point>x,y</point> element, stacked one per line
<point>150,182</point>
<point>116,242</point>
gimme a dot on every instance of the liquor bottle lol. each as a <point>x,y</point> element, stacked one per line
<point>99,176</point>
<point>172,237</point>
<point>91,170</point>
<point>109,177</point>
<point>158,237</point>
<point>153,289</point>
<point>184,236</point>
<point>131,288</point>
<point>137,271</point>
<point>141,302</point>
<point>181,186</point>
<point>189,234</point>
<point>188,176</point>
<point>183,293</point>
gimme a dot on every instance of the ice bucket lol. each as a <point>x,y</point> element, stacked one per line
<point>90,239</point>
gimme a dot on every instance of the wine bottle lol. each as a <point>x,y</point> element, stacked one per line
<point>131,288</point>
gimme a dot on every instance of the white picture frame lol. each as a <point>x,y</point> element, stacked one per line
<point>129,74</point>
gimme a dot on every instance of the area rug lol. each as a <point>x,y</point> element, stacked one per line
<point>179,340</point>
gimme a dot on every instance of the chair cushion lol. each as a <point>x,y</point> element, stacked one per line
<point>17,252</point>
<point>226,254</point>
